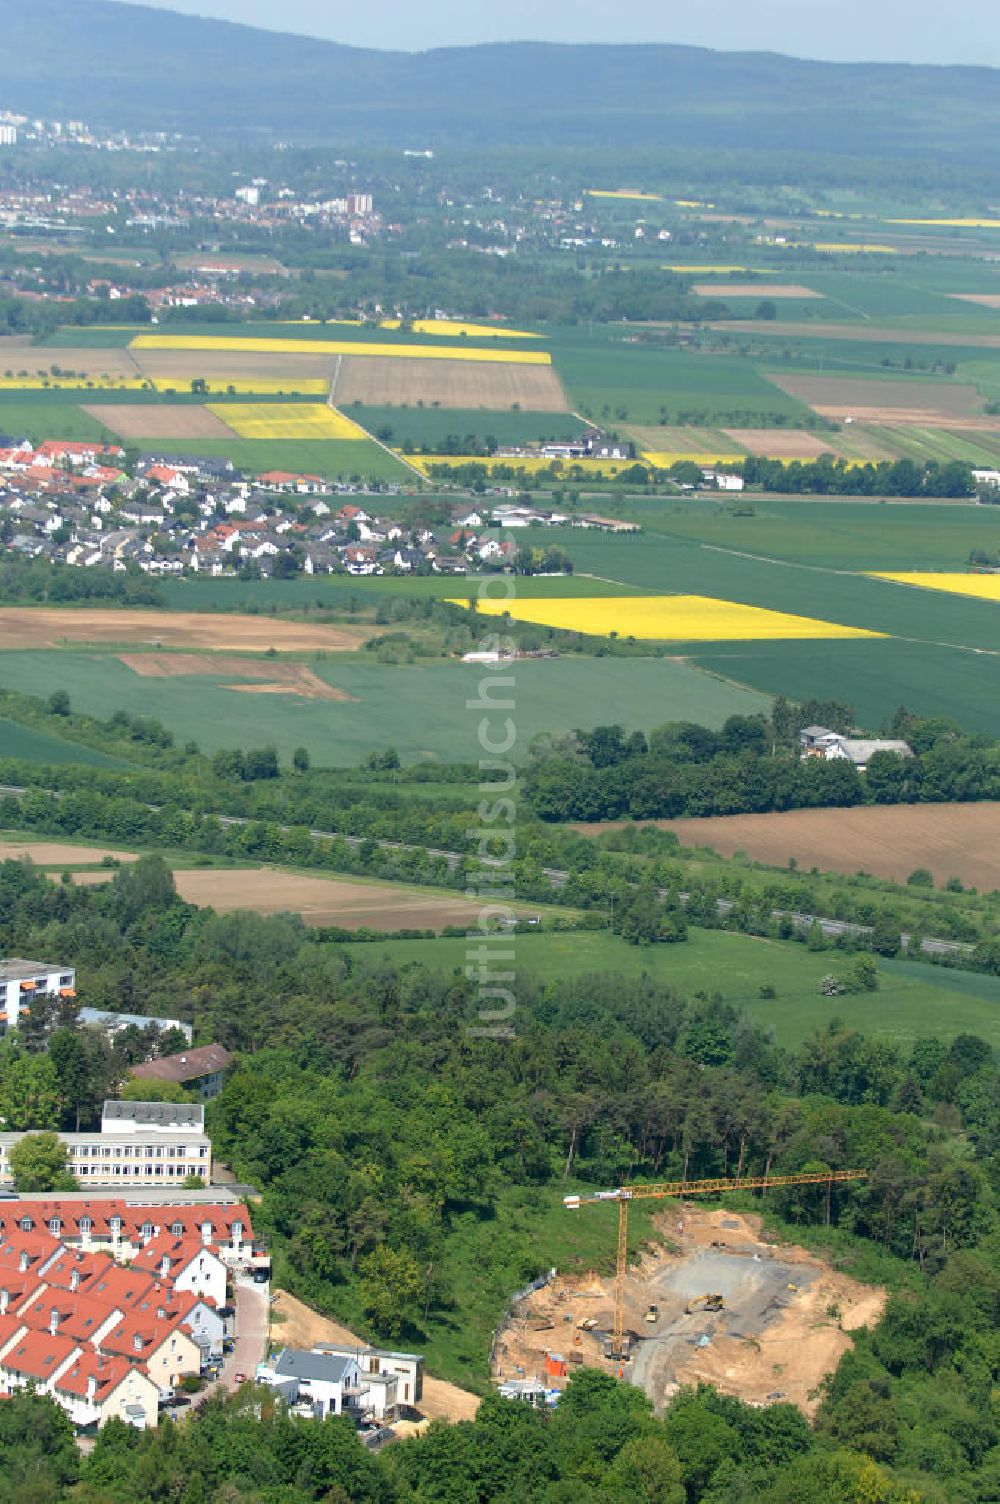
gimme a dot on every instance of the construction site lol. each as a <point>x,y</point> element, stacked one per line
<point>711,1301</point>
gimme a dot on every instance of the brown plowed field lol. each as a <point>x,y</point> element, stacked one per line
<point>276,678</point>
<point>985,299</point>
<point>327,901</point>
<point>159,420</point>
<point>754,290</point>
<point>60,853</point>
<point>932,404</point>
<point>382,381</point>
<point>44,627</point>
<point>887,840</point>
<point>219,366</point>
<point>784,443</point>
<point>93,364</point>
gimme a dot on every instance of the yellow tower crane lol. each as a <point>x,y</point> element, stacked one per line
<point>626,1194</point>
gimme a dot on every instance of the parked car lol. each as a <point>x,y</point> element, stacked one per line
<point>239,1378</point>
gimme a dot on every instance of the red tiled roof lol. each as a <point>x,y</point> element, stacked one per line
<point>86,1266</point>
<point>133,1218</point>
<point>120,1287</point>
<point>138,1336</point>
<point>79,1316</point>
<point>180,1251</point>
<point>109,1373</point>
<point>38,1354</point>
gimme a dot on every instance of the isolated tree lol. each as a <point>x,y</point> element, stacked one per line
<point>59,703</point>
<point>39,1163</point>
<point>300,759</point>
<point>392,1288</point>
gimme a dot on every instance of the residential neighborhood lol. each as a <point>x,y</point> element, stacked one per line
<point>87,504</point>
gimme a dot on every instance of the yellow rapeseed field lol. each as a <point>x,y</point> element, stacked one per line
<point>286,420</point>
<point>253,386</point>
<point>983,587</point>
<point>662,459</point>
<point>456,328</point>
<point>257,346</point>
<point>957,224</point>
<point>668,618</point>
<point>530,465</point>
<point>721,271</point>
<point>630,193</point>
<point>831,247</point>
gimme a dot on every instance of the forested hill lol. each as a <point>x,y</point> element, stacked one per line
<point>134,67</point>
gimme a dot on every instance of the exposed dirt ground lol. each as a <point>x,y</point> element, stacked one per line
<point>786,1323</point>
<point>43,627</point>
<point>159,420</point>
<point>888,840</point>
<point>382,380</point>
<point>929,402</point>
<point>784,443</point>
<point>57,853</point>
<point>326,901</point>
<point>725,290</point>
<point>299,1326</point>
<point>275,678</point>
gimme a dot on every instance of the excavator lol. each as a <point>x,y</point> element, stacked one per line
<point>710,1302</point>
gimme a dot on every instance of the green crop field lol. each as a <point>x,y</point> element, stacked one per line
<point>38,746</point>
<point>608,379</point>
<point>673,565</point>
<point>844,534</point>
<point>344,593</point>
<point>28,418</point>
<point>420,710</point>
<point>873,676</point>
<point>414,426</point>
<point>333,458</point>
<point>912,1001</point>
<point>912,442</point>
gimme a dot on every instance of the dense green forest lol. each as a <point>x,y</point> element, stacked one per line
<point>391,1145</point>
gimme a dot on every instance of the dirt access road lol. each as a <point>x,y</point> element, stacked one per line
<point>786,1323</point>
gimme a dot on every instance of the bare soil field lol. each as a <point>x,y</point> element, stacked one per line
<point>220,366</point>
<point>90,363</point>
<point>45,627</point>
<point>201,261</point>
<point>382,381</point>
<point>932,404</point>
<point>985,299</point>
<point>774,1339</point>
<point>327,901</point>
<point>275,678</point>
<point>159,420</point>
<point>784,443</point>
<point>867,332</point>
<point>754,290</point>
<point>887,840</point>
<point>297,1325</point>
<point>60,853</point>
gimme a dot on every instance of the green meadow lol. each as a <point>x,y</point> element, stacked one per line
<point>913,1000</point>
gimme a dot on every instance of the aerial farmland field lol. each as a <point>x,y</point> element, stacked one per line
<point>446,382</point>
<point>420,710</point>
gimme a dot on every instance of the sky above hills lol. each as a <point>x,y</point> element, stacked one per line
<point>848,31</point>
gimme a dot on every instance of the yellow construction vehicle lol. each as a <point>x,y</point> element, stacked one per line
<point>680,1188</point>
<point>710,1302</point>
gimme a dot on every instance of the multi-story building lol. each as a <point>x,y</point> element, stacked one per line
<point>139,1143</point>
<point>22,980</point>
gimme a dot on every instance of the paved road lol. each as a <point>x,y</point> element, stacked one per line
<point>252,1308</point>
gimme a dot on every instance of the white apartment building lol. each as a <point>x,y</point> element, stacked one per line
<point>22,980</point>
<point>139,1143</point>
